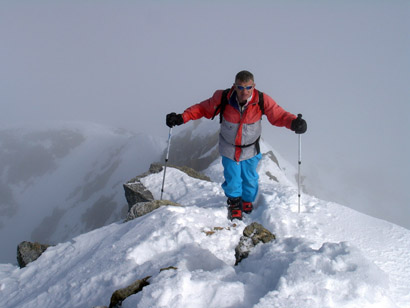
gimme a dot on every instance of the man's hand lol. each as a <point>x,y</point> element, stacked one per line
<point>174,119</point>
<point>299,125</point>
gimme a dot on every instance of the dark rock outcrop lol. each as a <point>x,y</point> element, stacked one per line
<point>253,234</point>
<point>136,192</point>
<point>120,295</point>
<point>272,157</point>
<point>28,252</point>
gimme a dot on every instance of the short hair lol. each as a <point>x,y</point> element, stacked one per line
<point>244,76</point>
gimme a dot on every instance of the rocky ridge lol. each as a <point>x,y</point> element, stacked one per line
<point>141,202</point>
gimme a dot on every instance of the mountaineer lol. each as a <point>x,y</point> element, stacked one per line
<point>240,108</point>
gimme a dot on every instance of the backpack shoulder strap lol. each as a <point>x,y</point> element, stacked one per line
<point>224,102</point>
<point>261,102</point>
<point>222,105</point>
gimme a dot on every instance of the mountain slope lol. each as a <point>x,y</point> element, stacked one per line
<point>326,256</point>
<point>60,180</point>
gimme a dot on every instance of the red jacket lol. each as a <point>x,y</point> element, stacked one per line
<point>240,129</point>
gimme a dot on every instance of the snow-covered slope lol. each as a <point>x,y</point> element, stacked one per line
<point>62,179</point>
<point>326,256</point>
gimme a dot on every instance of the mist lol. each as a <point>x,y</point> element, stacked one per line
<point>344,65</point>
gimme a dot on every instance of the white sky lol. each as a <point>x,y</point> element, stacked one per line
<point>343,64</point>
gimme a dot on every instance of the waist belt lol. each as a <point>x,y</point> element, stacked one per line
<point>247,145</point>
<point>255,143</point>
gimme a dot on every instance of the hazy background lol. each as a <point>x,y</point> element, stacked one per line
<point>343,64</point>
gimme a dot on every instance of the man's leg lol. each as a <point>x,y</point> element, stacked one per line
<point>233,187</point>
<point>250,178</point>
<point>233,181</point>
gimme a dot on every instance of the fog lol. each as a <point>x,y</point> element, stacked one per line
<point>344,65</point>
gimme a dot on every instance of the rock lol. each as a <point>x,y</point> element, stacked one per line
<point>272,157</point>
<point>258,233</point>
<point>253,234</point>
<point>120,295</point>
<point>242,249</point>
<point>142,208</point>
<point>136,192</point>
<point>168,268</point>
<point>155,168</point>
<point>271,176</point>
<point>28,252</point>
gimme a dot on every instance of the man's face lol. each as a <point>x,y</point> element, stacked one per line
<point>244,90</point>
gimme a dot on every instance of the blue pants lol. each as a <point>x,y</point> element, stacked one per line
<point>241,178</point>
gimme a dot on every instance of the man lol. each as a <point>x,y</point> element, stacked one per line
<point>241,108</point>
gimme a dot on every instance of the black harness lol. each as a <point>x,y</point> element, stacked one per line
<point>224,102</point>
<point>221,109</point>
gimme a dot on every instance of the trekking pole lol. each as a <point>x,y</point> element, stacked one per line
<point>166,160</point>
<point>299,163</point>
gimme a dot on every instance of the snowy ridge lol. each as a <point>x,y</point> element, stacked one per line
<point>326,256</point>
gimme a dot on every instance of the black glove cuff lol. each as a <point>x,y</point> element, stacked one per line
<point>179,120</point>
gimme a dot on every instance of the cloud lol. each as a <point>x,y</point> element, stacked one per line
<point>344,66</point>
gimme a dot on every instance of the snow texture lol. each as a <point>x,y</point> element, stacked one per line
<point>326,256</point>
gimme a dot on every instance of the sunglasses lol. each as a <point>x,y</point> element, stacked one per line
<point>243,88</point>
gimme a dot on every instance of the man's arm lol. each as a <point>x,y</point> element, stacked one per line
<point>276,114</point>
<point>280,117</point>
<point>205,109</point>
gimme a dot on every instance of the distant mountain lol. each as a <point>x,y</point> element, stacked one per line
<point>60,180</point>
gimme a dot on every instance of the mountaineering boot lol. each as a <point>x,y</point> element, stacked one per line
<point>247,207</point>
<point>234,208</point>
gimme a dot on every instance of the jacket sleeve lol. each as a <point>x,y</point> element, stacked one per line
<point>205,108</point>
<point>276,114</point>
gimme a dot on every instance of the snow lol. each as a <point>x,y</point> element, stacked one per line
<point>326,256</point>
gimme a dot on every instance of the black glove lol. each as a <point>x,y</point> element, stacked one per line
<point>174,119</point>
<point>299,126</point>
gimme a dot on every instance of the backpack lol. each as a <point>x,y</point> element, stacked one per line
<point>224,102</point>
